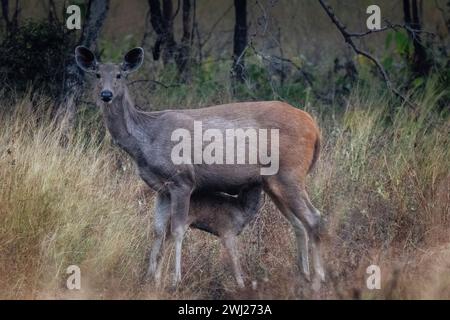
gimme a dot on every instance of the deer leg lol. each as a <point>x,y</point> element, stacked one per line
<point>315,216</point>
<point>162,215</point>
<point>301,235</point>
<point>299,204</point>
<point>229,241</point>
<point>290,197</point>
<point>180,199</point>
<point>302,239</point>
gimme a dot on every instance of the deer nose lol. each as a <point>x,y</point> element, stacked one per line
<point>106,95</point>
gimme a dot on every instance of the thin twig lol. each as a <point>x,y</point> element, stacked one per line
<point>391,26</point>
<point>167,86</point>
<point>305,75</point>
<point>214,26</point>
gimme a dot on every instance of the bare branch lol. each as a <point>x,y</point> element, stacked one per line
<point>306,76</point>
<point>391,26</point>
<point>166,86</point>
<point>348,39</point>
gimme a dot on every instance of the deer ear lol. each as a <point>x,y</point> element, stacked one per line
<point>133,60</point>
<point>85,59</point>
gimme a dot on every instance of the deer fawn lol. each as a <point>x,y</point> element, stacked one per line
<point>146,137</point>
<point>224,216</point>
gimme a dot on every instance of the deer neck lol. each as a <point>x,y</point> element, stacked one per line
<point>125,122</point>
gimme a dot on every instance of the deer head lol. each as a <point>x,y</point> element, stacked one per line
<point>110,77</point>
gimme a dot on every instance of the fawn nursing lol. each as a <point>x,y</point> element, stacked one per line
<point>224,216</point>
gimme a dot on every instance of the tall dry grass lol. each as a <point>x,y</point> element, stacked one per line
<point>382,184</point>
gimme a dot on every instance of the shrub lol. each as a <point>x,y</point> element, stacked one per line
<point>35,53</point>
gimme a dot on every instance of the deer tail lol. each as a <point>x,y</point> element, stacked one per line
<point>315,154</point>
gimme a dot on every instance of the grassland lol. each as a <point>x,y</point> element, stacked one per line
<point>382,185</point>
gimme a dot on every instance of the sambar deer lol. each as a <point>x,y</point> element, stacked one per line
<point>147,138</point>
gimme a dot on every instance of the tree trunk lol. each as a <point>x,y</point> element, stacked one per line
<point>5,12</point>
<point>10,23</point>
<point>52,13</point>
<point>184,50</point>
<point>97,11</point>
<point>407,12</point>
<point>169,39</point>
<point>73,84</point>
<point>420,64</point>
<point>161,19</point>
<point>162,23</point>
<point>156,20</point>
<point>240,39</point>
<point>15,19</point>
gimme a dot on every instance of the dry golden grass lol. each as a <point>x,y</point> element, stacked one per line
<point>382,185</point>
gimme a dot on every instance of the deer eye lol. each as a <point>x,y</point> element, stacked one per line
<point>119,76</point>
<point>98,75</point>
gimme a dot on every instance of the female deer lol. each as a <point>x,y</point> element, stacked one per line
<point>147,138</point>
